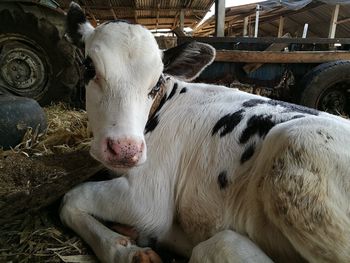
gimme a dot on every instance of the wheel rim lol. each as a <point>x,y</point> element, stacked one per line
<point>336,99</point>
<point>22,71</point>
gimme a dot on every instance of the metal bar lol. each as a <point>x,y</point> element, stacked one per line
<point>306,26</point>
<point>219,18</point>
<point>257,21</point>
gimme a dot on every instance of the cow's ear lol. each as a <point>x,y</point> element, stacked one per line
<point>77,26</point>
<point>188,60</point>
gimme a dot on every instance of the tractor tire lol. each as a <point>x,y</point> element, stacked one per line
<point>17,114</point>
<point>327,88</point>
<point>35,61</point>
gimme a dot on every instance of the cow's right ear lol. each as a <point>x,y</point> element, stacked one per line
<point>77,26</point>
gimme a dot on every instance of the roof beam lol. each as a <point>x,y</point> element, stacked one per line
<point>112,10</point>
<point>333,25</point>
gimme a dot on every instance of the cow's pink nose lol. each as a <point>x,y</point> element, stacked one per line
<point>124,151</point>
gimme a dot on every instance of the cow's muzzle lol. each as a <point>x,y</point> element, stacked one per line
<point>123,152</point>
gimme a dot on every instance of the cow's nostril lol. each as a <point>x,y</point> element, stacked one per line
<point>110,148</point>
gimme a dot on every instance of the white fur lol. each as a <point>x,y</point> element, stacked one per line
<point>290,200</point>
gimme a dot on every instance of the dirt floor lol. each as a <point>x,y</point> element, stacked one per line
<point>32,235</point>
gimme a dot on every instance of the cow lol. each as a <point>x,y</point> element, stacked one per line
<point>213,173</point>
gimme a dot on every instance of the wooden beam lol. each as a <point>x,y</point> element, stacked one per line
<point>175,20</point>
<point>94,20</point>
<point>245,26</point>
<point>135,11</point>
<point>250,67</point>
<point>112,10</point>
<point>127,8</point>
<point>219,18</point>
<point>280,26</point>
<point>344,20</point>
<point>266,40</point>
<point>157,17</point>
<point>280,57</point>
<point>333,25</point>
<point>182,19</point>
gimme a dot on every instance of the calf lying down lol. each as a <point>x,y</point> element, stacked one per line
<point>215,174</point>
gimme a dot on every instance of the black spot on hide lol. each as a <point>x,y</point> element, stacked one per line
<point>89,70</point>
<point>222,180</point>
<point>257,124</point>
<point>228,123</point>
<point>173,91</point>
<point>253,103</point>
<point>151,124</point>
<point>154,119</point>
<point>183,90</point>
<point>248,153</point>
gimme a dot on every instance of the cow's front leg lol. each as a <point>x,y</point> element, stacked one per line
<point>228,247</point>
<point>114,201</point>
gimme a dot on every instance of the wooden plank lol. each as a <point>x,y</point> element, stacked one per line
<point>182,19</point>
<point>333,25</point>
<point>245,26</point>
<point>344,20</point>
<point>266,40</point>
<point>112,10</point>
<point>280,57</point>
<point>280,27</point>
<point>273,47</point>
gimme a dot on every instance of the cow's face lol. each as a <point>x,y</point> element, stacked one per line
<point>122,67</point>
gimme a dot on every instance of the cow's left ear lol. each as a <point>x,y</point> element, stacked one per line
<point>188,60</point>
<point>77,26</point>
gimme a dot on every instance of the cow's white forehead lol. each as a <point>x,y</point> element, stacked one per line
<point>119,48</point>
<point>116,35</point>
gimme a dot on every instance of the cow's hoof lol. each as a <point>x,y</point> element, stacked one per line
<point>146,256</point>
<point>124,241</point>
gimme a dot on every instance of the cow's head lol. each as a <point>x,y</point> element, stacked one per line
<point>122,67</point>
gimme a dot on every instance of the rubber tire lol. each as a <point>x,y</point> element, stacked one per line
<point>62,71</point>
<point>17,114</point>
<point>321,78</point>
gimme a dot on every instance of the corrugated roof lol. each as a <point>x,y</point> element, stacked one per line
<point>316,14</point>
<point>154,14</point>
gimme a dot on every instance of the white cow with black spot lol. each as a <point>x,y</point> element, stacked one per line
<point>227,176</point>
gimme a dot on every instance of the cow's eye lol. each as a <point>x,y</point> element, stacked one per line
<point>89,70</point>
<point>157,87</point>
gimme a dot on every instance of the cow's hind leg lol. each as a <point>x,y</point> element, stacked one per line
<point>107,200</point>
<point>305,192</point>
